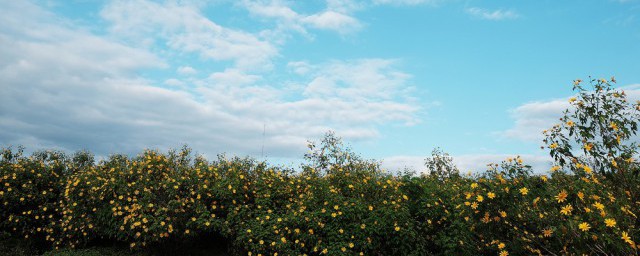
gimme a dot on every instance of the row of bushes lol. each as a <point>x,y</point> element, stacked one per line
<point>155,199</point>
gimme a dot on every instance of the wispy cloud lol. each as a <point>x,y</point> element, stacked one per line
<point>406,2</point>
<point>496,15</point>
<point>335,18</point>
<point>184,28</point>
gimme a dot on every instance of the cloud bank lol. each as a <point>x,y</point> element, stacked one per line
<point>68,88</point>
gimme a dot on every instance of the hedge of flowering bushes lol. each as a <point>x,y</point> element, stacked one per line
<point>338,203</point>
<point>155,199</point>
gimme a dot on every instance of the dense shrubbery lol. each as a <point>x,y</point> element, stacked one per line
<point>339,203</point>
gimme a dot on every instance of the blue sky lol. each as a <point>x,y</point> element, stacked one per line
<point>394,78</point>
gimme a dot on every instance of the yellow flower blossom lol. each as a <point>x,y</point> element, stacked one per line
<point>584,226</point>
<point>610,222</point>
<point>524,191</point>
<point>570,123</point>
<point>626,238</point>
<point>598,206</point>
<point>562,196</point>
<point>613,126</point>
<point>588,146</point>
<point>566,210</point>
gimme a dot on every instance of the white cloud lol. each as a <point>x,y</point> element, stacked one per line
<point>233,77</point>
<point>366,78</point>
<point>184,28</point>
<point>534,117</point>
<point>174,82</point>
<point>331,20</point>
<point>299,67</point>
<point>334,18</point>
<point>186,70</point>
<point>405,2</point>
<point>474,163</point>
<point>496,15</point>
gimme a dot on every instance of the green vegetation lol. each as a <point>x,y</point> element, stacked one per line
<point>339,203</point>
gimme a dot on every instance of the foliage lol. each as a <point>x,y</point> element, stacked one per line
<point>441,165</point>
<point>600,122</point>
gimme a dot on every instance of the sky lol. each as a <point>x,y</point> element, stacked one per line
<point>394,78</point>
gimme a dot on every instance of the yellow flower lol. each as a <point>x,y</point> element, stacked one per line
<point>566,210</point>
<point>524,191</point>
<point>562,196</point>
<point>588,146</point>
<point>572,99</point>
<point>626,238</point>
<point>553,146</point>
<point>613,126</point>
<point>570,123</point>
<point>504,253</point>
<point>474,205</point>
<point>577,81</point>
<point>555,168</point>
<point>474,185</point>
<point>501,246</point>
<point>397,228</point>
<point>581,195</point>
<point>584,226</point>
<point>547,232</point>
<point>479,198</point>
<point>491,195</point>
<point>610,222</point>
<point>503,214</point>
<point>598,205</point>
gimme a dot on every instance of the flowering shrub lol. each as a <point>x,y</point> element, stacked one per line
<point>340,204</point>
<point>29,192</point>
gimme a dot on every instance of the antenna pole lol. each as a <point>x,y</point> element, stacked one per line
<point>264,126</point>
